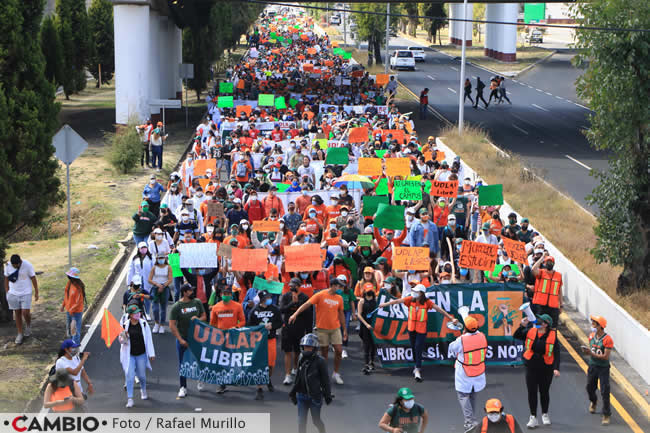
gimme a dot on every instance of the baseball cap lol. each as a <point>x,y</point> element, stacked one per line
<point>419,288</point>
<point>136,280</point>
<point>237,200</point>
<point>405,393</point>
<point>471,324</point>
<point>600,320</point>
<point>486,226</point>
<point>548,259</point>
<point>336,281</point>
<point>546,318</point>
<point>263,294</point>
<point>380,261</point>
<point>368,269</point>
<point>68,344</point>
<point>132,309</point>
<point>493,405</point>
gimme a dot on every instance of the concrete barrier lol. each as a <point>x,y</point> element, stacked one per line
<point>631,339</point>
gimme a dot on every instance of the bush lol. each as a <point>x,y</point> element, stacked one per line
<point>126,148</point>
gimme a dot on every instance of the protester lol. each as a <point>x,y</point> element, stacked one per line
<point>20,286</point>
<point>144,221</point>
<point>599,349</point>
<point>496,420</point>
<point>74,300</point>
<point>547,298</point>
<point>367,306</point>
<point>141,265</point>
<point>136,352</point>
<point>152,194</point>
<point>62,394</point>
<point>157,140</point>
<point>404,415</point>
<point>68,358</point>
<point>160,278</point>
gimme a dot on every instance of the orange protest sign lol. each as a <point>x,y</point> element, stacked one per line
<point>358,135</point>
<point>247,109</point>
<point>370,166</point>
<point>440,156</point>
<point>311,51</point>
<point>411,258</point>
<point>382,79</point>
<point>428,156</point>
<point>398,167</point>
<point>515,249</point>
<point>266,226</point>
<point>335,44</point>
<point>329,63</point>
<point>477,255</point>
<point>241,84</point>
<point>203,183</point>
<point>201,165</point>
<point>397,134</point>
<point>304,37</point>
<point>307,67</point>
<point>444,189</point>
<point>357,74</point>
<point>301,258</point>
<point>244,259</point>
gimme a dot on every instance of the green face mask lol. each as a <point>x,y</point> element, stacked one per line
<point>145,209</point>
<point>226,298</point>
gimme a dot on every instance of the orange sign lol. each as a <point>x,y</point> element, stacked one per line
<point>266,226</point>
<point>203,183</point>
<point>241,84</point>
<point>358,135</point>
<point>382,79</point>
<point>245,108</point>
<point>440,156</point>
<point>311,51</point>
<point>428,156</point>
<point>411,258</point>
<point>335,44</point>
<point>307,67</point>
<point>301,258</point>
<point>444,189</point>
<point>477,255</point>
<point>244,259</point>
<point>398,167</point>
<point>370,166</point>
<point>515,249</point>
<point>397,134</point>
<point>201,165</point>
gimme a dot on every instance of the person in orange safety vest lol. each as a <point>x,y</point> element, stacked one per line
<point>547,296</point>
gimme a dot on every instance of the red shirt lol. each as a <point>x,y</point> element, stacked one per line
<point>277,135</point>
<point>255,210</point>
<point>253,133</point>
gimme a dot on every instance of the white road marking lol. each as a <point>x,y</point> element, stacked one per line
<point>451,90</point>
<point>549,94</point>
<point>473,77</point>
<point>530,87</point>
<point>541,108</point>
<point>429,76</point>
<point>578,162</point>
<point>559,97</point>
<point>455,69</point>
<point>540,90</point>
<point>519,129</point>
<point>522,84</point>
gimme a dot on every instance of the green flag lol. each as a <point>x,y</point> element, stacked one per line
<point>381,153</point>
<point>273,287</point>
<point>389,217</point>
<point>266,100</point>
<point>293,102</point>
<point>282,187</point>
<point>280,103</point>
<point>382,187</point>
<point>490,195</point>
<point>371,202</point>
<point>226,88</point>
<point>225,102</point>
<point>337,155</point>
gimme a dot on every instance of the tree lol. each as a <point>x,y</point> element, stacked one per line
<point>434,25</point>
<point>617,86</point>
<point>76,40</point>
<point>411,9</point>
<point>372,28</point>
<point>100,23</point>
<point>52,50</point>
<point>28,120</point>
<point>479,14</point>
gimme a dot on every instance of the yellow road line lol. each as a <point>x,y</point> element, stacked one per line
<point>433,110</point>
<point>614,402</point>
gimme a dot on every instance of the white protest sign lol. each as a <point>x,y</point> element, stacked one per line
<point>200,255</point>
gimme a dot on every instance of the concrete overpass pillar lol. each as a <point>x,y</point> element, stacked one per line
<point>501,40</point>
<point>456,27</point>
<point>176,54</point>
<point>154,58</point>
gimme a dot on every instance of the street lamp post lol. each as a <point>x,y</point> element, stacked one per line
<point>461,86</point>
<point>386,61</point>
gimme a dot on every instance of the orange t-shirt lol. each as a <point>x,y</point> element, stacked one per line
<point>227,316</point>
<point>327,309</point>
<point>73,298</point>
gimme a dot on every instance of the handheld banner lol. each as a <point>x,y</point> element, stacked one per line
<point>477,255</point>
<point>199,255</point>
<point>409,190</point>
<point>273,287</point>
<point>444,189</point>
<point>515,249</point>
<point>398,167</point>
<point>411,258</point>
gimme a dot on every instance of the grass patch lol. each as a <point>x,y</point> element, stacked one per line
<point>569,227</point>
<point>361,56</point>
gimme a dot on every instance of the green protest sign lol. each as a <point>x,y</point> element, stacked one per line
<point>337,156</point>
<point>268,73</point>
<point>225,102</point>
<point>389,217</point>
<point>175,262</point>
<point>293,102</point>
<point>493,276</point>
<point>237,356</point>
<point>382,187</point>
<point>347,56</point>
<point>410,190</point>
<point>364,240</point>
<point>226,88</point>
<point>273,35</point>
<point>282,187</point>
<point>497,303</point>
<point>381,153</point>
<point>273,41</point>
<point>322,142</point>
<point>281,38</point>
<point>264,100</point>
<point>274,287</point>
<point>490,195</point>
<point>280,103</point>
<point>338,51</point>
<point>371,202</point>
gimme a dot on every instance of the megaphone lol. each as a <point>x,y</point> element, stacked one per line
<point>463,312</point>
<point>528,312</point>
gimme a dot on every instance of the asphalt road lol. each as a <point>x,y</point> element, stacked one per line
<point>358,405</point>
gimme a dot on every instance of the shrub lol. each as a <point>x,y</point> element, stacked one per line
<point>125,148</point>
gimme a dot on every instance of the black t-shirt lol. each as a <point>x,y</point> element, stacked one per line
<point>137,339</point>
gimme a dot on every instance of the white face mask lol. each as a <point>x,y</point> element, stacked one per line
<point>210,229</point>
<point>409,403</point>
<point>409,217</point>
<point>494,417</point>
<point>594,330</point>
<point>186,218</point>
<point>244,226</point>
<point>344,213</point>
<point>159,237</point>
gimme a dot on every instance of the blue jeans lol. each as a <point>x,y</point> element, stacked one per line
<point>180,350</point>
<point>160,306</point>
<point>156,156</point>
<point>347,314</point>
<point>305,404</point>
<point>417,346</point>
<point>423,111</point>
<point>77,319</point>
<point>137,367</point>
<point>138,238</point>
<point>178,282</point>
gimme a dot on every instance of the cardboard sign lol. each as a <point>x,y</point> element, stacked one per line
<point>382,187</point>
<point>396,134</point>
<point>398,167</point>
<point>371,202</point>
<point>321,143</point>
<point>380,152</point>
<point>490,195</point>
<point>266,226</point>
<point>215,209</point>
<point>410,190</point>
<point>204,183</point>
<point>515,249</point>
<point>244,259</point>
<point>364,240</point>
<point>280,103</point>
<point>225,250</point>
<point>225,88</point>
<point>225,102</point>
<point>273,287</point>
<point>265,100</point>
<point>477,255</point>
<point>337,156</point>
<point>390,217</point>
<point>440,156</point>
<point>444,189</point>
<point>370,166</point>
<point>175,262</point>
<point>303,258</point>
<point>199,255</point>
<point>246,109</point>
<point>201,165</point>
<point>358,135</point>
<point>382,79</point>
<point>411,258</point>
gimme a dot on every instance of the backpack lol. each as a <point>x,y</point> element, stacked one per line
<point>242,170</point>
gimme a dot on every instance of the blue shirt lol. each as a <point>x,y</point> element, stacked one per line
<point>153,192</point>
<point>422,234</point>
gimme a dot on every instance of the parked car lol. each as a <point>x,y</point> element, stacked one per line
<point>535,37</point>
<point>419,53</point>
<point>335,20</point>
<point>402,59</point>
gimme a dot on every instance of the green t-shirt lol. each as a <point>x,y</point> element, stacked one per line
<point>347,298</point>
<point>183,312</point>
<point>409,422</point>
<point>598,345</point>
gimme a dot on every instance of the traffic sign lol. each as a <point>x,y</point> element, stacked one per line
<point>69,145</point>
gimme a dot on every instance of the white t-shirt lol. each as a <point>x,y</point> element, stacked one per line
<point>64,362</point>
<point>22,286</point>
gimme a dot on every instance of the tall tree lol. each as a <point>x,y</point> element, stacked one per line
<point>100,23</point>
<point>436,10</point>
<point>617,86</point>
<point>411,10</point>
<point>479,14</point>
<point>371,27</point>
<point>28,120</point>
<point>77,43</point>
<point>52,50</point>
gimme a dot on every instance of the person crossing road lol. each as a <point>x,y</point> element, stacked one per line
<point>480,85</point>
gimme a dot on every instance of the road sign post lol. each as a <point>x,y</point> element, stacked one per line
<point>164,103</point>
<point>69,145</point>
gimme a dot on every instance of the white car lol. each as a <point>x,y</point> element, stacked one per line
<point>418,52</point>
<point>402,59</point>
<point>335,20</point>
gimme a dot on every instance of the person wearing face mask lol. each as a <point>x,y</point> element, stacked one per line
<point>318,206</point>
<point>542,359</point>
<point>141,266</point>
<point>388,241</point>
<point>159,244</point>
<point>136,352</point>
<point>418,305</point>
<point>74,299</point>
<point>404,415</point>
<point>496,420</point>
<point>160,278</point>
<point>599,349</point>
<point>135,295</point>
<point>496,226</point>
<point>144,221</point>
<point>547,297</point>
<point>424,233</point>
<point>254,208</point>
<point>186,224</point>
<point>236,214</point>
<point>486,236</point>
<point>293,332</point>
<point>152,192</point>
<point>441,213</point>
<point>367,305</point>
<point>452,232</point>
<point>168,221</point>
<point>313,224</point>
<point>68,359</point>
<point>524,235</point>
<point>367,282</point>
<point>173,199</point>
<point>269,315</point>
<point>180,317</point>
<point>198,198</point>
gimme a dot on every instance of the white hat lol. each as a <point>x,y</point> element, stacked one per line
<point>244,221</point>
<point>342,278</point>
<point>367,230</point>
<point>142,245</point>
<point>419,288</point>
<point>185,212</point>
<point>157,231</point>
<point>237,200</point>
<point>136,280</point>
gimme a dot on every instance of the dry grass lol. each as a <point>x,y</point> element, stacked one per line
<point>568,227</point>
<point>361,56</point>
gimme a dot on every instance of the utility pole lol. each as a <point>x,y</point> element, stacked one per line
<point>386,59</point>
<point>461,86</point>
